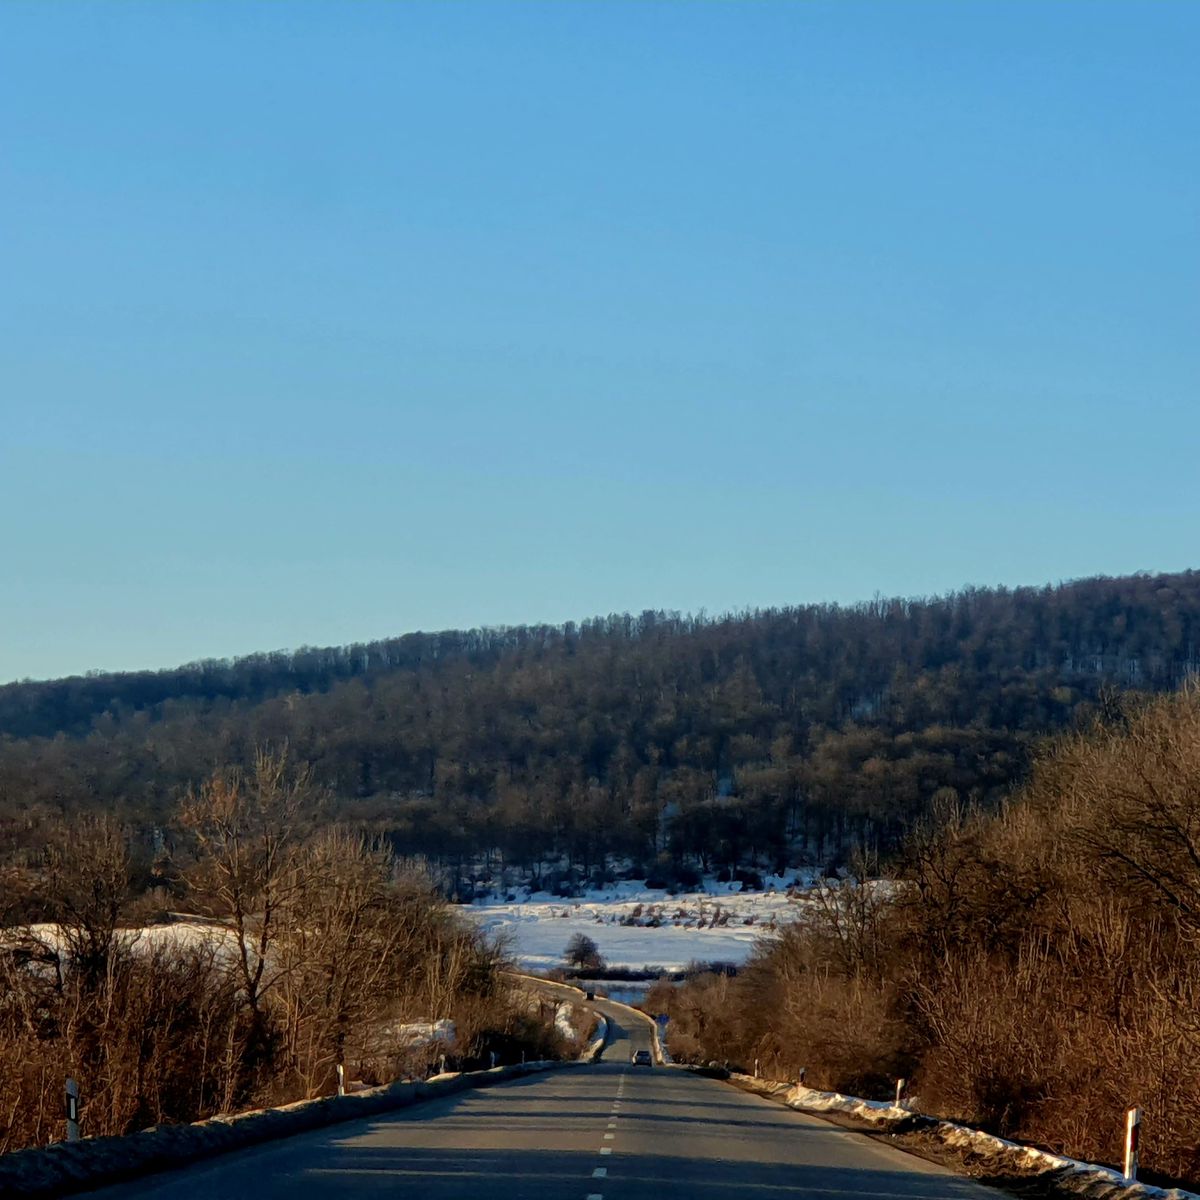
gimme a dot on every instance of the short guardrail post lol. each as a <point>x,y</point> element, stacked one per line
<point>72,1111</point>
<point>1133,1133</point>
<point>341,1079</point>
<point>899,1090</point>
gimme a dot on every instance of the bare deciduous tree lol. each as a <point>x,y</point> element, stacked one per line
<point>85,883</point>
<point>247,828</point>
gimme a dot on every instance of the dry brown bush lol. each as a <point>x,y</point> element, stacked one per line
<point>322,951</point>
<point>1066,984</point>
<point>149,1042</point>
<point>1035,969</point>
<point>817,997</point>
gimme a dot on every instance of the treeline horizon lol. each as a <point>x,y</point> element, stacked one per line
<point>769,737</point>
<point>44,707</point>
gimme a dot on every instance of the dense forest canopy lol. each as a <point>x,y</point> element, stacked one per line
<point>766,737</point>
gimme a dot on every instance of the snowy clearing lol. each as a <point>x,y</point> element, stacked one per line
<point>636,927</point>
<point>188,934</point>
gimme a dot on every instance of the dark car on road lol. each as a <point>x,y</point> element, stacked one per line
<point>641,1058</point>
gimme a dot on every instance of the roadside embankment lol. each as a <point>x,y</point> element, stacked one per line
<point>66,1167</point>
<point>981,1155</point>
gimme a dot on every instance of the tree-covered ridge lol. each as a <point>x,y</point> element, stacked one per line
<point>771,733</point>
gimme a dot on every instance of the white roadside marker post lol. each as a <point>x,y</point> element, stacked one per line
<point>341,1076</point>
<point>899,1090</point>
<point>802,1073</point>
<point>756,1068</point>
<point>1133,1132</point>
<point>72,1111</point>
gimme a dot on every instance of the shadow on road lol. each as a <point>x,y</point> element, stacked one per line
<point>450,1174</point>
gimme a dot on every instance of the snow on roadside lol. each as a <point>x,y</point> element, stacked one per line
<point>875,1111</point>
<point>1088,1179</point>
<point>563,1023</point>
<point>599,1038</point>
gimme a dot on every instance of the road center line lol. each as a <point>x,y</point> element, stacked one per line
<point>605,1149</point>
<point>599,1172</point>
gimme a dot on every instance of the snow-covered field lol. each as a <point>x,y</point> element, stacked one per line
<point>636,927</point>
<point>186,933</point>
<point>633,926</point>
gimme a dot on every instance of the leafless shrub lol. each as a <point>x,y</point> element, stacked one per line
<point>320,950</point>
<point>1035,969</point>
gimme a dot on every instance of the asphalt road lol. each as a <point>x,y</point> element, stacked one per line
<point>607,1131</point>
<point>626,1032</point>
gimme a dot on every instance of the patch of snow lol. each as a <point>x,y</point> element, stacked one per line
<point>49,939</point>
<point>592,1050</point>
<point>563,1023</point>
<point>415,1034</point>
<point>874,1111</point>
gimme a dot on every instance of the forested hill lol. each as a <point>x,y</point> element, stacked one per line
<point>771,734</point>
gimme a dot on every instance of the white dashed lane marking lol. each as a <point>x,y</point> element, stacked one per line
<point>599,1172</point>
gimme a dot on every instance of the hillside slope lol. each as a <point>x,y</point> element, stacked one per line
<point>767,736</point>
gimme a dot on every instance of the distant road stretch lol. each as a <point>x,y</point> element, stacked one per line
<point>603,1132</point>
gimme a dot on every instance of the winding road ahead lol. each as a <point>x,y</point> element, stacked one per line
<point>606,1131</point>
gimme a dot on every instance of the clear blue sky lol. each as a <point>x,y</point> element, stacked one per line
<point>323,322</point>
